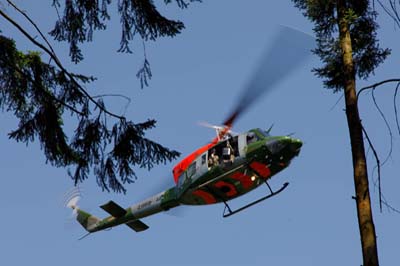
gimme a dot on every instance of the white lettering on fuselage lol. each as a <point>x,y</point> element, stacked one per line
<point>150,201</point>
<point>144,205</point>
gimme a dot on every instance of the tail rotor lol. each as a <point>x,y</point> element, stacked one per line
<point>71,199</point>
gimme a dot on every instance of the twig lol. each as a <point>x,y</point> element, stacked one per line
<point>377,163</point>
<point>394,16</point>
<point>394,9</point>
<point>116,95</point>
<point>55,3</point>
<point>387,125</point>
<point>33,24</point>
<point>113,95</point>
<point>376,85</point>
<point>390,207</point>
<point>337,102</point>
<point>395,107</point>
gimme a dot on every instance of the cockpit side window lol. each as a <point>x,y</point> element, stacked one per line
<point>251,137</point>
<point>203,159</point>
<point>191,170</point>
<point>181,179</point>
<point>187,174</point>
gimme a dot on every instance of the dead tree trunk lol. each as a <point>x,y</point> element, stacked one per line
<point>364,212</point>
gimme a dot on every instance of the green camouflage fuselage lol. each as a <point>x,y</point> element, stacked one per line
<point>254,158</point>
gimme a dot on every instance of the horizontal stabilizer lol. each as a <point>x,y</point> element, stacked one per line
<point>114,209</point>
<point>137,225</point>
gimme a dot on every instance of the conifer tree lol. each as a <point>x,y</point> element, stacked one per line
<point>348,47</point>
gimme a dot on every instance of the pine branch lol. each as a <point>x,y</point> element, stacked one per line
<point>38,93</point>
<point>182,3</point>
<point>144,73</point>
<point>58,63</point>
<point>81,19</point>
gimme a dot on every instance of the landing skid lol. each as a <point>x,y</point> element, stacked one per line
<point>228,211</point>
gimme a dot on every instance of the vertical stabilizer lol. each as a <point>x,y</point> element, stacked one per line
<point>88,221</point>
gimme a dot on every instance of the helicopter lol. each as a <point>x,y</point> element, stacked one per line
<point>231,164</point>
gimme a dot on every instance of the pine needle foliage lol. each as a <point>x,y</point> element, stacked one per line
<point>41,96</point>
<point>81,18</point>
<point>367,54</point>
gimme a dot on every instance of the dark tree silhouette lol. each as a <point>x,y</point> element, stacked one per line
<point>41,95</point>
<point>80,18</point>
<point>348,47</point>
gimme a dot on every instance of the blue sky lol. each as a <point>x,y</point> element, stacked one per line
<point>197,77</point>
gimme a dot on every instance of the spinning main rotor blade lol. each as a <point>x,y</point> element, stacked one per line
<point>288,51</point>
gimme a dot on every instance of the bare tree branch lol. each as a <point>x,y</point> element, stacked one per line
<point>387,125</point>
<point>391,13</point>
<point>337,102</point>
<point>378,164</point>
<point>33,24</point>
<point>388,206</point>
<point>128,100</point>
<point>376,85</point>
<point>395,107</point>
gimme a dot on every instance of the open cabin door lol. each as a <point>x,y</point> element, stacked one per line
<point>242,144</point>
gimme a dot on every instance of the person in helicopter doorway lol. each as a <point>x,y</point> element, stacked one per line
<point>228,155</point>
<point>213,160</point>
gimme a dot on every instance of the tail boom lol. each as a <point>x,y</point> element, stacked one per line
<point>130,216</point>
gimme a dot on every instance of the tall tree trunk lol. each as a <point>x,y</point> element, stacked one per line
<point>364,213</point>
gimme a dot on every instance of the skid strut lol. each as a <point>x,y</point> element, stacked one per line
<point>228,211</point>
